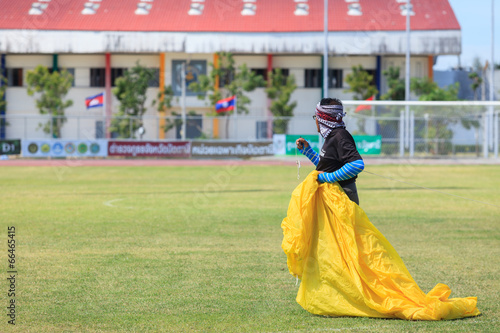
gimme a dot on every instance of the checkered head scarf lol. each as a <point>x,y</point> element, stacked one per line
<point>329,117</point>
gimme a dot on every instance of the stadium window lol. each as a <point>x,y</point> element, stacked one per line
<point>226,77</point>
<point>312,78</point>
<point>194,68</point>
<point>260,71</point>
<point>116,73</point>
<point>285,72</point>
<point>72,72</point>
<point>97,77</point>
<point>261,130</point>
<point>155,81</point>
<point>15,77</point>
<point>335,78</point>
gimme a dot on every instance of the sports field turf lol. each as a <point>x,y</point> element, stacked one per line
<point>198,249</point>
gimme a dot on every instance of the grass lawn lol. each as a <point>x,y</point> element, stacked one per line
<point>198,249</point>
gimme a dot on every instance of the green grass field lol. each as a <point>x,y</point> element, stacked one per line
<point>198,249</point>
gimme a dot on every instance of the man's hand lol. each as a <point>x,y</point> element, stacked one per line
<point>317,179</point>
<point>301,143</point>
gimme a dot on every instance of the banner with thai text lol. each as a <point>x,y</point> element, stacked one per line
<point>231,149</point>
<point>149,148</point>
<point>368,144</point>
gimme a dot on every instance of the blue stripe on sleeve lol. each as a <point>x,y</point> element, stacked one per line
<point>348,171</point>
<point>310,154</point>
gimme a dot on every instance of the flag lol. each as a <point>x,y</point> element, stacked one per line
<point>95,101</point>
<point>226,104</point>
<point>364,107</point>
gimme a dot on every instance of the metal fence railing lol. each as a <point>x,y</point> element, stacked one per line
<point>420,130</point>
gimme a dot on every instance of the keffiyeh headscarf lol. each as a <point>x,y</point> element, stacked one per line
<point>329,117</point>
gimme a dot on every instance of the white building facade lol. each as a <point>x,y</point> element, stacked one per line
<point>96,42</point>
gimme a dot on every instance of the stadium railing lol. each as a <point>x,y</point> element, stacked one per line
<point>414,129</point>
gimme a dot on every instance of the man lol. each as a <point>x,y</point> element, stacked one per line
<point>339,160</point>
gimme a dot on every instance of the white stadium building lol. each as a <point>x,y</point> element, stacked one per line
<point>97,39</point>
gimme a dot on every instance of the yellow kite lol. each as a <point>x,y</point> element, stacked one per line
<point>348,268</point>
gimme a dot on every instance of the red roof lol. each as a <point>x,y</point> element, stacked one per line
<point>225,16</point>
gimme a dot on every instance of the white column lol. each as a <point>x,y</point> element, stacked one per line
<point>485,134</point>
<point>495,129</point>
<point>402,134</point>
<point>491,131</point>
<point>426,141</point>
<point>406,125</point>
<point>412,133</point>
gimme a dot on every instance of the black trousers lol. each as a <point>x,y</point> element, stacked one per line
<point>352,192</point>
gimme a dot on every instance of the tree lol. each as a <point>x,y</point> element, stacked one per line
<point>428,90</point>
<point>396,91</point>
<point>3,87</point>
<point>360,83</point>
<point>479,77</point>
<point>279,92</point>
<point>130,91</point>
<point>476,83</point>
<point>3,103</point>
<point>231,81</point>
<point>477,64</point>
<point>50,90</point>
<point>164,101</point>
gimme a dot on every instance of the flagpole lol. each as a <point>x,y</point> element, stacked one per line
<point>103,104</point>
<point>235,116</point>
<point>407,76</point>
<point>104,122</point>
<point>492,78</point>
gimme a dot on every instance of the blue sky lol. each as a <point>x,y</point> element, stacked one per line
<point>475,20</point>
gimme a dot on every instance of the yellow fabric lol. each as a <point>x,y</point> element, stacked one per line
<point>348,268</point>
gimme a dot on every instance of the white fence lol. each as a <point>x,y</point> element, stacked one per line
<point>414,129</point>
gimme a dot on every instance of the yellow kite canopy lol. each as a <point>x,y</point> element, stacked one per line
<point>348,268</point>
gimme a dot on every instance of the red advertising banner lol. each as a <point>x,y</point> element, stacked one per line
<point>231,149</point>
<point>149,148</point>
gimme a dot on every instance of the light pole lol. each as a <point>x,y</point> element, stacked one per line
<point>407,76</point>
<point>493,126</point>
<point>325,50</point>
<point>489,118</point>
